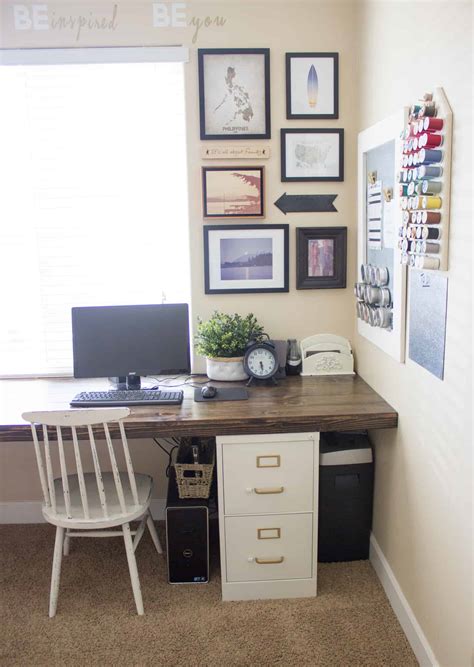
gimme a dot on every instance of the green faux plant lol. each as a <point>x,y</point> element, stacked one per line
<point>226,335</point>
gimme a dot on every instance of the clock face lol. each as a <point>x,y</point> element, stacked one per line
<point>261,362</point>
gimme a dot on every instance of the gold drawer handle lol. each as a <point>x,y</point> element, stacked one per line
<point>274,489</point>
<point>266,461</point>
<point>269,561</point>
<point>268,533</point>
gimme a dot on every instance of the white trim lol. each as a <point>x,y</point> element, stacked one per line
<point>30,512</point>
<point>88,55</point>
<point>407,619</point>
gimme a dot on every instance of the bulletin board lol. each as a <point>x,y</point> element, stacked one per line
<point>379,149</point>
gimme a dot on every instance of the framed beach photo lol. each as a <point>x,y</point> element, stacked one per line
<point>234,93</point>
<point>245,258</point>
<point>312,85</point>
<point>233,192</point>
<point>312,155</point>
<point>321,257</point>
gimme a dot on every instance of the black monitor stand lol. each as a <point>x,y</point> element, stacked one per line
<point>126,382</point>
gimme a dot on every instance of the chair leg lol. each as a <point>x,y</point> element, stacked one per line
<point>132,566</point>
<point>67,544</point>
<point>56,573</point>
<point>154,535</point>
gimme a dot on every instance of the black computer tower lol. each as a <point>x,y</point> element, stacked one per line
<point>187,537</point>
<point>346,486</point>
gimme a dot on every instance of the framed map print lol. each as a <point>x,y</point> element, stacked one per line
<point>312,155</point>
<point>234,93</point>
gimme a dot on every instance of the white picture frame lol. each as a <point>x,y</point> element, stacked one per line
<point>390,340</point>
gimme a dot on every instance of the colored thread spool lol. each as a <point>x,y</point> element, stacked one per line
<point>411,234</point>
<point>419,126</point>
<point>414,144</point>
<point>430,140</point>
<point>429,155</point>
<point>413,217</point>
<point>404,245</point>
<point>415,203</point>
<point>419,231</point>
<point>411,260</point>
<point>431,187</point>
<point>430,217</point>
<point>404,190</point>
<point>428,109</point>
<point>410,159</point>
<point>405,161</point>
<point>404,258</point>
<point>419,215</point>
<point>414,109</point>
<point>430,233</point>
<point>410,188</point>
<point>410,175</point>
<point>413,245</point>
<point>433,124</point>
<point>419,189</point>
<point>404,203</point>
<point>431,202</point>
<point>406,217</point>
<point>418,246</point>
<point>427,263</point>
<point>430,248</point>
<point>429,171</point>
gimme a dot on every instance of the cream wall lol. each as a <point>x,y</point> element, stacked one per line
<point>422,519</point>
<point>423,492</point>
<point>281,26</point>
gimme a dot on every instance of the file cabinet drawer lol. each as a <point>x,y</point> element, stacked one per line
<point>268,477</point>
<point>264,548</point>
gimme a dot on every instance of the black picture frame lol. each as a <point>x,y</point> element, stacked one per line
<point>203,84</point>
<point>285,132</point>
<point>304,279</point>
<point>335,97</point>
<point>215,283</point>
<point>260,213</point>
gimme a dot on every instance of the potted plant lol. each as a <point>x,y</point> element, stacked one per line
<point>222,340</point>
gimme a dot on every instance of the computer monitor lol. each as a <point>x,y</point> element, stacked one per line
<point>125,342</point>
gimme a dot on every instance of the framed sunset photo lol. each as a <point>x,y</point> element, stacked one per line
<point>233,192</point>
<point>312,85</point>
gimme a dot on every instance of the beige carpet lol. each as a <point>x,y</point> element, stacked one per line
<point>350,623</point>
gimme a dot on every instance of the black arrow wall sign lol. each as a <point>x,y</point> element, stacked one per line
<point>306,203</point>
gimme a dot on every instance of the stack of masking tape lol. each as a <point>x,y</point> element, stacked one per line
<point>421,186</point>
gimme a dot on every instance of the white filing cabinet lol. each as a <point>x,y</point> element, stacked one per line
<point>268,515</point>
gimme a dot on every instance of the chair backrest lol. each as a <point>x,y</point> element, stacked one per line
<point>72,420</point>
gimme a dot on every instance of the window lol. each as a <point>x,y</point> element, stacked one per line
<point>93,205</point>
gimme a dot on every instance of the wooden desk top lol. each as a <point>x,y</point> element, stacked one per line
<point>330,403</point>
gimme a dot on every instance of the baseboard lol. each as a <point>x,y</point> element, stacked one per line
<point>400,606</point>
<point>30,512</point>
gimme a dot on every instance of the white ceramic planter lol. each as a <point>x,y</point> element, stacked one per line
<point>226,369</point>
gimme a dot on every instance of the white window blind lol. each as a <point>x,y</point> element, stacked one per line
<point>93,203</point>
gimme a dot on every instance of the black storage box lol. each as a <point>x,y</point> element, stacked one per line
<point>346,485</point>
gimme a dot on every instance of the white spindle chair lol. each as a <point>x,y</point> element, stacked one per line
<point>85,504</point>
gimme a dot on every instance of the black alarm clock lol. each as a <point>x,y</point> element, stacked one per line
<point>261,361</point>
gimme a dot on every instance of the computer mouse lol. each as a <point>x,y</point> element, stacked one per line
<point>209,391</point>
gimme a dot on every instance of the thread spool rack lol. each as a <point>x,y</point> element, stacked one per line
<point>425,183</point>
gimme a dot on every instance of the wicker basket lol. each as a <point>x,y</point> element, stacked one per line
<point>194,479</point>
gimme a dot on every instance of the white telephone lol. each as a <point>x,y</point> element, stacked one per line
<point>326,354</point>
